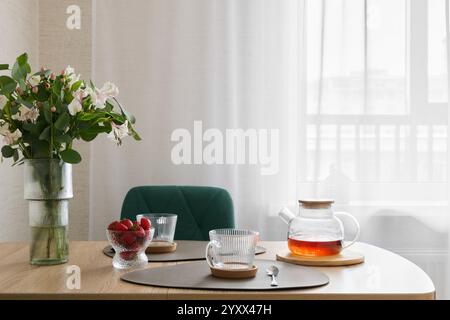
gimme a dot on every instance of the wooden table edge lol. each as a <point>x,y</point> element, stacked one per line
<point>218,295</point>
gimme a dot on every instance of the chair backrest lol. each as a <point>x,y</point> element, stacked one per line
<point>199,209</point>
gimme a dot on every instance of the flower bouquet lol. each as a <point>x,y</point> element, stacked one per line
<point>41,115</point>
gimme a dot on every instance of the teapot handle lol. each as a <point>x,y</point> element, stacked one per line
<point>342,213</point>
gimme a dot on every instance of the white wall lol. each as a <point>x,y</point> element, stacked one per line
<point>19,32</point>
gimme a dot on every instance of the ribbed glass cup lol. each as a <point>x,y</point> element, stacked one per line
<point>164,224</point>
<point>231,248</point>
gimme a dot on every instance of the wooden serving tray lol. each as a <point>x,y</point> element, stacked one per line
<point>345,258</point>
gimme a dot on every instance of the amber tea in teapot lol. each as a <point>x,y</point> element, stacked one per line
<point>316,230</point>
<point>314,247</point>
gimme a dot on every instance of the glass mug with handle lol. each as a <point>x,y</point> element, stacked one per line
<point>232,249</point>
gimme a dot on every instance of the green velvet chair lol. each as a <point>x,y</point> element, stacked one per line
<point>199,209</point>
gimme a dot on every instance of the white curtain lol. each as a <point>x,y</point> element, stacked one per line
<point>374,121</point>
<point>357,89</point>
<point>229,64</point>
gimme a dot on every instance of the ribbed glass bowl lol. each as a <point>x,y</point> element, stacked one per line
<point>129,247</point>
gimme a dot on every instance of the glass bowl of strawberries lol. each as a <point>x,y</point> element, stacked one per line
<point>129,240</point>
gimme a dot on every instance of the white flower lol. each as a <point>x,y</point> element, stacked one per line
<point>80,94</point>
<point>110,90</point>
<point>26,114</point>
<point>99,96</point>
<point>34,80</point>
<point>75,106</point>
<point>74,78</point>
<point>97,99</point>
<point>69,70</point>
<point>4,127</point>
<point>11,138</point>
<point>3,101</point>
<point>118,132</point>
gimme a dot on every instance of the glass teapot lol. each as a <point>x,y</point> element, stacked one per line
<point>316,230</point>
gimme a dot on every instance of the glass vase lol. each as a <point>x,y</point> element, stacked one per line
<point>48,188</point>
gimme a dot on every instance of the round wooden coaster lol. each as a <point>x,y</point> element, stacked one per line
<point>345,258</point>
<point>161,247</point>
<point>234,273</point>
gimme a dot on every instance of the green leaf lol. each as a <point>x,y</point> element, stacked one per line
<point>45,134</point>
<point>76,85</point>
<point>57,85</point>
<point>88,136</point>
<point>35,128</point>
<point>118,117</point>
<point>99,129</point>
<point>63,121</point>
<point>47,112</point>
<point>4,66</point>
<point>18,73</point>
<point>7,85</point>
<point>16,155</point>
<point>40,149</point>
<point>22,59</point>
<point>108,106</point>
<point>87,116</point>
<point>64,138</point>
<point>59,106</point>
<point>46,73</point>
<point>27,68</point>
<point>70,156</point>
<point>22,84</point>
<point>134,134</point>
<point>25,103</point>
<point>7,151</point>
<point>14,109</point>
<point>21,68</point>
<point>127,115</point>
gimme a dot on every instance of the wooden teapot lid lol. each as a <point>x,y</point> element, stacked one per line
<point>316,203</point>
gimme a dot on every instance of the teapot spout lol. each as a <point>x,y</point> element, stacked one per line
<point>286,215</point>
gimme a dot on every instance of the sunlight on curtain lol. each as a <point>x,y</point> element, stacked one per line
<point>230,64</point>
<point>375,118</point>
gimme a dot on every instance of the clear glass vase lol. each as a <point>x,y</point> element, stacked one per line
<point>48,188</point>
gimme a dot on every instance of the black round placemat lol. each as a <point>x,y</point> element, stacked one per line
<point>187,250</point>
<point>196,275</point>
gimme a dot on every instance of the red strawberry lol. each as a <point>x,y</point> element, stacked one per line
<point>140,232</point>
<point>145,223</point>
<point>127,222</point>
<point>121,227</point>
<point>112,225</point>
<point>128,238</point>
<point>128,255</point>
<point>135,226</point>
